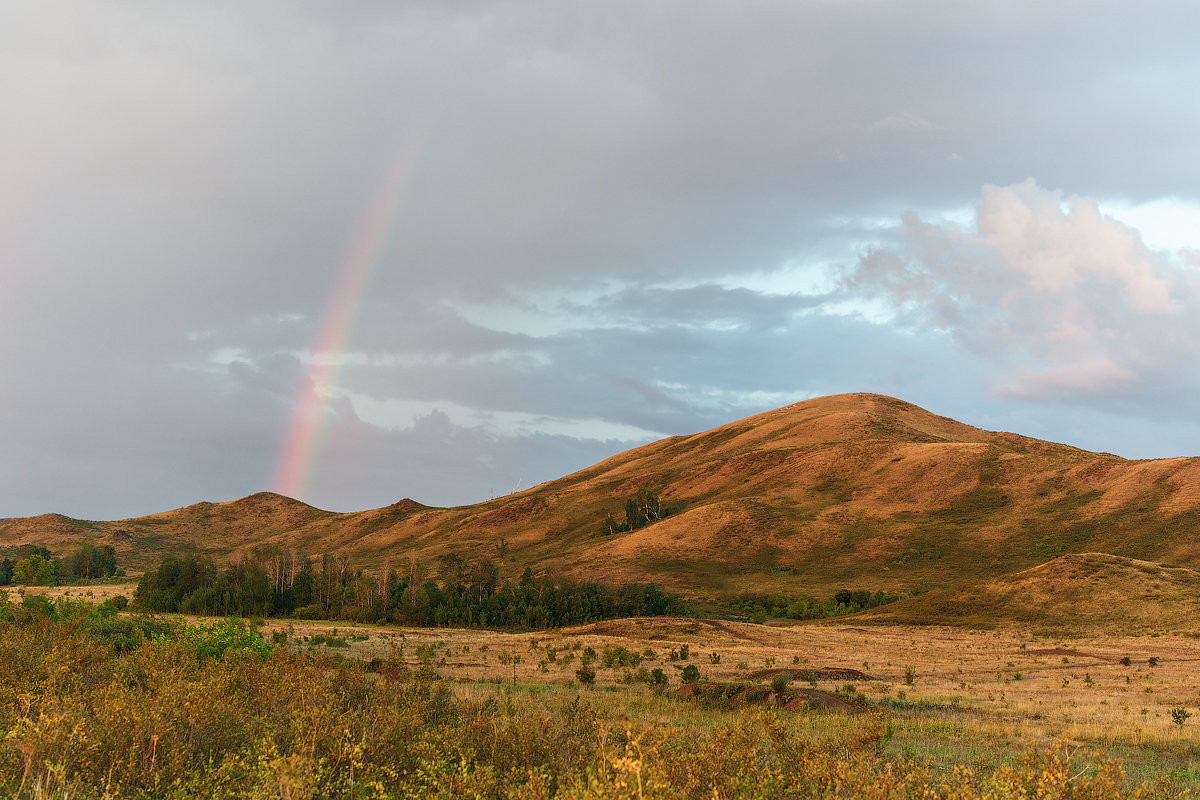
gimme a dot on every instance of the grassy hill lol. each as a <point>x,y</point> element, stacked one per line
<point>1077,592</point>
<point>855,490</point>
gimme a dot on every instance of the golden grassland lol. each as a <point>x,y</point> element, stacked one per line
<point>1010,685</point>
<point>375,711</point>
<point>480,714</point>
<point>979,695</point>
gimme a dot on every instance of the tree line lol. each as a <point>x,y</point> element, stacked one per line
<point>760,605</point>
<point>35,565</point>
<point>274,582</point>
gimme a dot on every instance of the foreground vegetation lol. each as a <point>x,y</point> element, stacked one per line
<point>96,704</point>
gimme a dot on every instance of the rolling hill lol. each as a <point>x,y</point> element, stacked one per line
<point>855,490</point>
<point>1072,593</point>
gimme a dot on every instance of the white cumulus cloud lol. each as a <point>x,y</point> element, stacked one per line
<point>1068,301</point>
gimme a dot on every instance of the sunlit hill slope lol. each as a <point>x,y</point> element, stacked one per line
<point>855,490</point>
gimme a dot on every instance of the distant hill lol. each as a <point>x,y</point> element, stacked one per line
<point>1081,591</point>
<point>846,491</point>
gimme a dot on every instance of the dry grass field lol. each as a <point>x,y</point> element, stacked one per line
<point>352,710</point>
<point>92,592</point>
<point>949,697</point>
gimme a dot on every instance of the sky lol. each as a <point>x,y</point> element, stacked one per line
<point>357,252</point>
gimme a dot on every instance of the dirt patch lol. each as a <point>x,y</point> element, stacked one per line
<point>661,628</point>
<point>827,700</point>
<point>795,700</point>
<point>822,674</point>
<point>1058,651</point>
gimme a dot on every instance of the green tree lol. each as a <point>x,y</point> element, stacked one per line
<point>92,562</point>
<point>485,577</point>
<point>175,579</point>
<point>642,509</point>
<point>33,571</point>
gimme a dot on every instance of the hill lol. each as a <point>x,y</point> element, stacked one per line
<point>856,490</point>
<point>1077,592</point>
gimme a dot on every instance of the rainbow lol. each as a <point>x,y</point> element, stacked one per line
<point>301,445</point>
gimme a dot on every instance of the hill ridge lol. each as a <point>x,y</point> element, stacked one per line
<point>857,489</point>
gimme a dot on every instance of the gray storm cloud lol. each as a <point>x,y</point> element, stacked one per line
<point>622,220</point>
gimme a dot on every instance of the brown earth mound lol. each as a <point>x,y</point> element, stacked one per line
<point>822,674</point>
<point>797,700</point>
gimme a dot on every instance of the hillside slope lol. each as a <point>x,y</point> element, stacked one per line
<point>855,490</point>
<point>1081,591</point>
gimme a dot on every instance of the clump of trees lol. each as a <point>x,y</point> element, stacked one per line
<point>760,605</point>
<point>273,582</point>
<point>35,565</point>
<point>644,508</point>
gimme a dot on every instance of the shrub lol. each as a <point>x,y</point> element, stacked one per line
<point>619,656</point>
<point>228,637</point>
<point>910,675</point>
<point>1179,715</point>
<point>121,602</point>
<point>690,674</point>
<point>586,675</point>
<point>781,682</point>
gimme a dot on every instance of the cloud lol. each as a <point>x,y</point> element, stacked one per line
<point>1069,300</point>
<point>601,198</point>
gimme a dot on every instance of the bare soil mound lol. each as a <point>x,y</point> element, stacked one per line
<point>796,700</point>
<point>669,629</point>
<point>822,674</point>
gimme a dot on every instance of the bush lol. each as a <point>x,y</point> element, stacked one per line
<point>226,638</point>
<point>781,682</point>
<point>690,674</point>
<point>586,675</point>
<point>619,656</point>
<point>121,602</point>
<point>123,634</point>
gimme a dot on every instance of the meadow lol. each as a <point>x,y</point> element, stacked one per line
<point>277,708</point>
